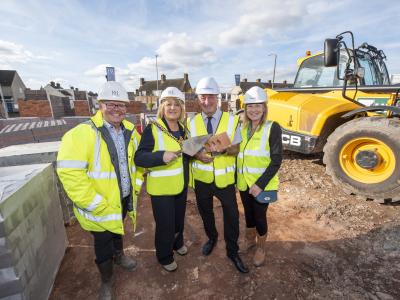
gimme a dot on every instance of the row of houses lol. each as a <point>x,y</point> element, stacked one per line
<point>55,101</point>
<point>51,101</point>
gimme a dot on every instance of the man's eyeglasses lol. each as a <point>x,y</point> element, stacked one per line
<point>116,106</point>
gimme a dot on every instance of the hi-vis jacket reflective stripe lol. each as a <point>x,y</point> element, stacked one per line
<point>254,158</point>
<point>222,169</point>
<point>88,175</point>
<point>167,179</point>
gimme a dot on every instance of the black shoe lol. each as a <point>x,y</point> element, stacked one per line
<point>208,247</point>
<point>237,261</point>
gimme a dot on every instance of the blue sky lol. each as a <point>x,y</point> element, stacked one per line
<point>72,41</point>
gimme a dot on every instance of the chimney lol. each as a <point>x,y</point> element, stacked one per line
<point>258,80</point>
<point>58,85</point>
<point>76,89</point>
<point>137,92</point>
<point>141,81</point>
<point>185,77</point>
<point>245,79</point>
<point>284,82</point>
<point>52,83</point>
<point>163,78</point>
<point>270,81</point>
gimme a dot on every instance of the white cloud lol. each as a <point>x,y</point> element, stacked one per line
<point>178,53</point>
<point>124,75</point>
<point>11,52</point>
<point>15,53</point>
<point>259,24</point>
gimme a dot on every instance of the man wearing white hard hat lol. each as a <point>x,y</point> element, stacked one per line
<point>215,175</point>
<point>96,167</point>
<point>160,151</point>
<point>258,162</point>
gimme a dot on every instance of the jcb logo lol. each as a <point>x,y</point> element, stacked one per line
<point>291,140</point>
<point>115,93</point>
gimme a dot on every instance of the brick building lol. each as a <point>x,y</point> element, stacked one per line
<point>53,101</point>
<point>12,88</point>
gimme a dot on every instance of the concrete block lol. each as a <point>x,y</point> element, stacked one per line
<point>33,228</point>
<point>26,154</point>
<point>36,153</point>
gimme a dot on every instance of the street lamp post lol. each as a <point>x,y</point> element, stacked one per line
<point>158,104</point>
<point>273,77</point>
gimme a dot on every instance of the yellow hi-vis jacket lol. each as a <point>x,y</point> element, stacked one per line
<point>85,168</point>
<point>222,169</point>
<point>167,179</point>
<point>254,158</point>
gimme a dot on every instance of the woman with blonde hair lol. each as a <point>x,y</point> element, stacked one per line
<point>160,152</point>
<point>258,162</point>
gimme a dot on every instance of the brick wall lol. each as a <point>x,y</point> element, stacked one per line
<point>34,108</point>
<point>81,108</point>
<point>224,105</point>
<point>136,107</point>
<point>192,106</point>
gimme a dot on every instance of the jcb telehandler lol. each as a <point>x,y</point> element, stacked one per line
<point>343,104</point>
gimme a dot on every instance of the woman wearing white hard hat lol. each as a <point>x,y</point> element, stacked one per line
<point>258,162</point>
<point>160,151</point>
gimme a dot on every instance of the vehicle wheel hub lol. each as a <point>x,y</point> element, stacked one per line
<point>368,159</point>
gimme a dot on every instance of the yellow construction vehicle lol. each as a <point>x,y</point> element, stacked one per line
<point>342,103</point>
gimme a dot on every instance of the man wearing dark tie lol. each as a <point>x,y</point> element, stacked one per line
<point>215,175</point>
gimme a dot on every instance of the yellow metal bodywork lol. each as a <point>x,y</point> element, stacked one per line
<point>301,59</point>
<point>308,113</point>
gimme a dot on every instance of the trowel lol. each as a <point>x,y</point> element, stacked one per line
<point>193,145</point>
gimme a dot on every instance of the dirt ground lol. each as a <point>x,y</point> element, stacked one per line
<point>322,244</point>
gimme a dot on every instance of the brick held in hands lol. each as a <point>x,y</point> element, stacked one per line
<point>220,142</point>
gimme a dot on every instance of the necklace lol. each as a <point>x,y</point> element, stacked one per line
<point>163,129</point>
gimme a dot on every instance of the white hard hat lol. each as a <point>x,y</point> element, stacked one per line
<point>255,95</point>
<point>172,92</point>
<point>207,86</point>
<point>113,91</point>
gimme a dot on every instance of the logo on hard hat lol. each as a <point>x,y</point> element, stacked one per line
<point>114,93</point>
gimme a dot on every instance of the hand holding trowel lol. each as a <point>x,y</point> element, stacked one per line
<point>218,143</point>
<point>193,145</point>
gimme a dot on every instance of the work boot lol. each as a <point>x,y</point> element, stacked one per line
<point>106,273</point>
<point>124,261</point>
<point>259,256</point>
<point>250,239</point>
<point>171,267</point>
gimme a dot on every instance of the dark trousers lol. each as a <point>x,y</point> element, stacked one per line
<point>255,213</point>
<point>169,215</point>
<point>227,197</point>
<point>106,243</point>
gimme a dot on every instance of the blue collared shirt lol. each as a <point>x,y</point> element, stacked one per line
<point>119,142</point>
<point>215,121</point>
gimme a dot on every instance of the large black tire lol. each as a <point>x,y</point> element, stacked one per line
<point>383,129</point>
